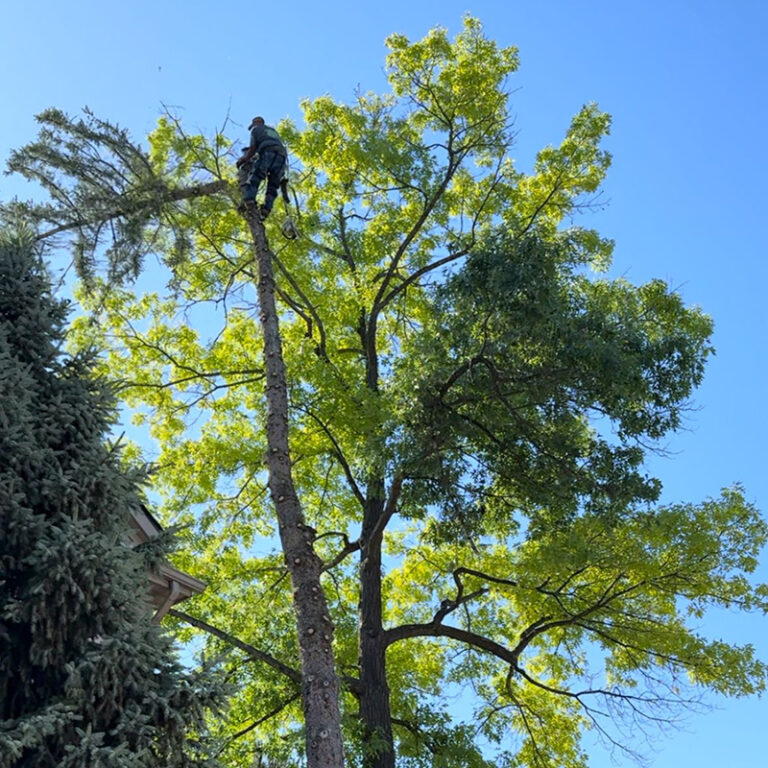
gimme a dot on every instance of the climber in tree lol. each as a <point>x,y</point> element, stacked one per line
<point>270,157</point>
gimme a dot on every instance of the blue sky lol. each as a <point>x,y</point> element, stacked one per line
<point>685,81</point>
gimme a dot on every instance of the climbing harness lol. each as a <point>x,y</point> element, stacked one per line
<point>288,229</point>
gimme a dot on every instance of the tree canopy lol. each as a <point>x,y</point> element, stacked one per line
<point>471,404</point>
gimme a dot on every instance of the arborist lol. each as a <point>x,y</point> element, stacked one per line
<point>264,158</point>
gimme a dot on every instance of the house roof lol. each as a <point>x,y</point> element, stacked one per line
<point>167,585</point>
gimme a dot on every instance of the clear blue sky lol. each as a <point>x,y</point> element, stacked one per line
<point>685,81</point>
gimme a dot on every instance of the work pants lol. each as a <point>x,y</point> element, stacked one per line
<point>269,166</point>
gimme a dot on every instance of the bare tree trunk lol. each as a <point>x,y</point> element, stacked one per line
<point>320,685</point>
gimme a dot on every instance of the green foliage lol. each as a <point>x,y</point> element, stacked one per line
<point>446,339</point>
<point>85,678</point>
<point>520,356</point>
<point>105,190</point>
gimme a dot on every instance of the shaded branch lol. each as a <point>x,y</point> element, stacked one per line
<point>454,161</point>
<point>251,650</point>
<point>170,196</point>
<point>453,255</point>
<point>389,509</point>
<point>127,384</point>
<point>433,629</point>
<point>256,723</point>
<point>308,304</point>
<point>412,278</point>
<point>484,576</point>
<point>338,453</point>
<point>349,548</point>
<point>414,728</point>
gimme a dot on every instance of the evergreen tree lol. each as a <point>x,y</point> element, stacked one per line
<point>85,678</point>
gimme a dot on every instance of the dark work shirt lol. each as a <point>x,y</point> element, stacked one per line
<point>264,138</point>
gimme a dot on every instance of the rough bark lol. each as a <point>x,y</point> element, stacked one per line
<point>375,709</point>
<point>374,697</point>
<point>320,685</point>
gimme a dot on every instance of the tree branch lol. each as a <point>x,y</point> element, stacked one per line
<point>349,548</point>
<point>453,163</point>
<point>256,723</point>
<point>251,650</point>
<point>307,303</point>
<point>454,255</point>
<point>354,487</point>
<point>171,196</point>
<point>484,576</point>
<point>481,642</point>
<point>389,509</point>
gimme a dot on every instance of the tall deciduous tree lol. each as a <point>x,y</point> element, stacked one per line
<point>85,677</point>
<point>471,404</point>
<point>120,187</point>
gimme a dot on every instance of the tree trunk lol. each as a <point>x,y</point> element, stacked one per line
<point>374,698</point>
<point>320,686</point>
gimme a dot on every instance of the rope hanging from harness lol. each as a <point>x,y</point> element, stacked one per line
<point>284,192</point>
<point>289,228</point>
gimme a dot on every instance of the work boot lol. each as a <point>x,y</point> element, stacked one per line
<point>247,207</point>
